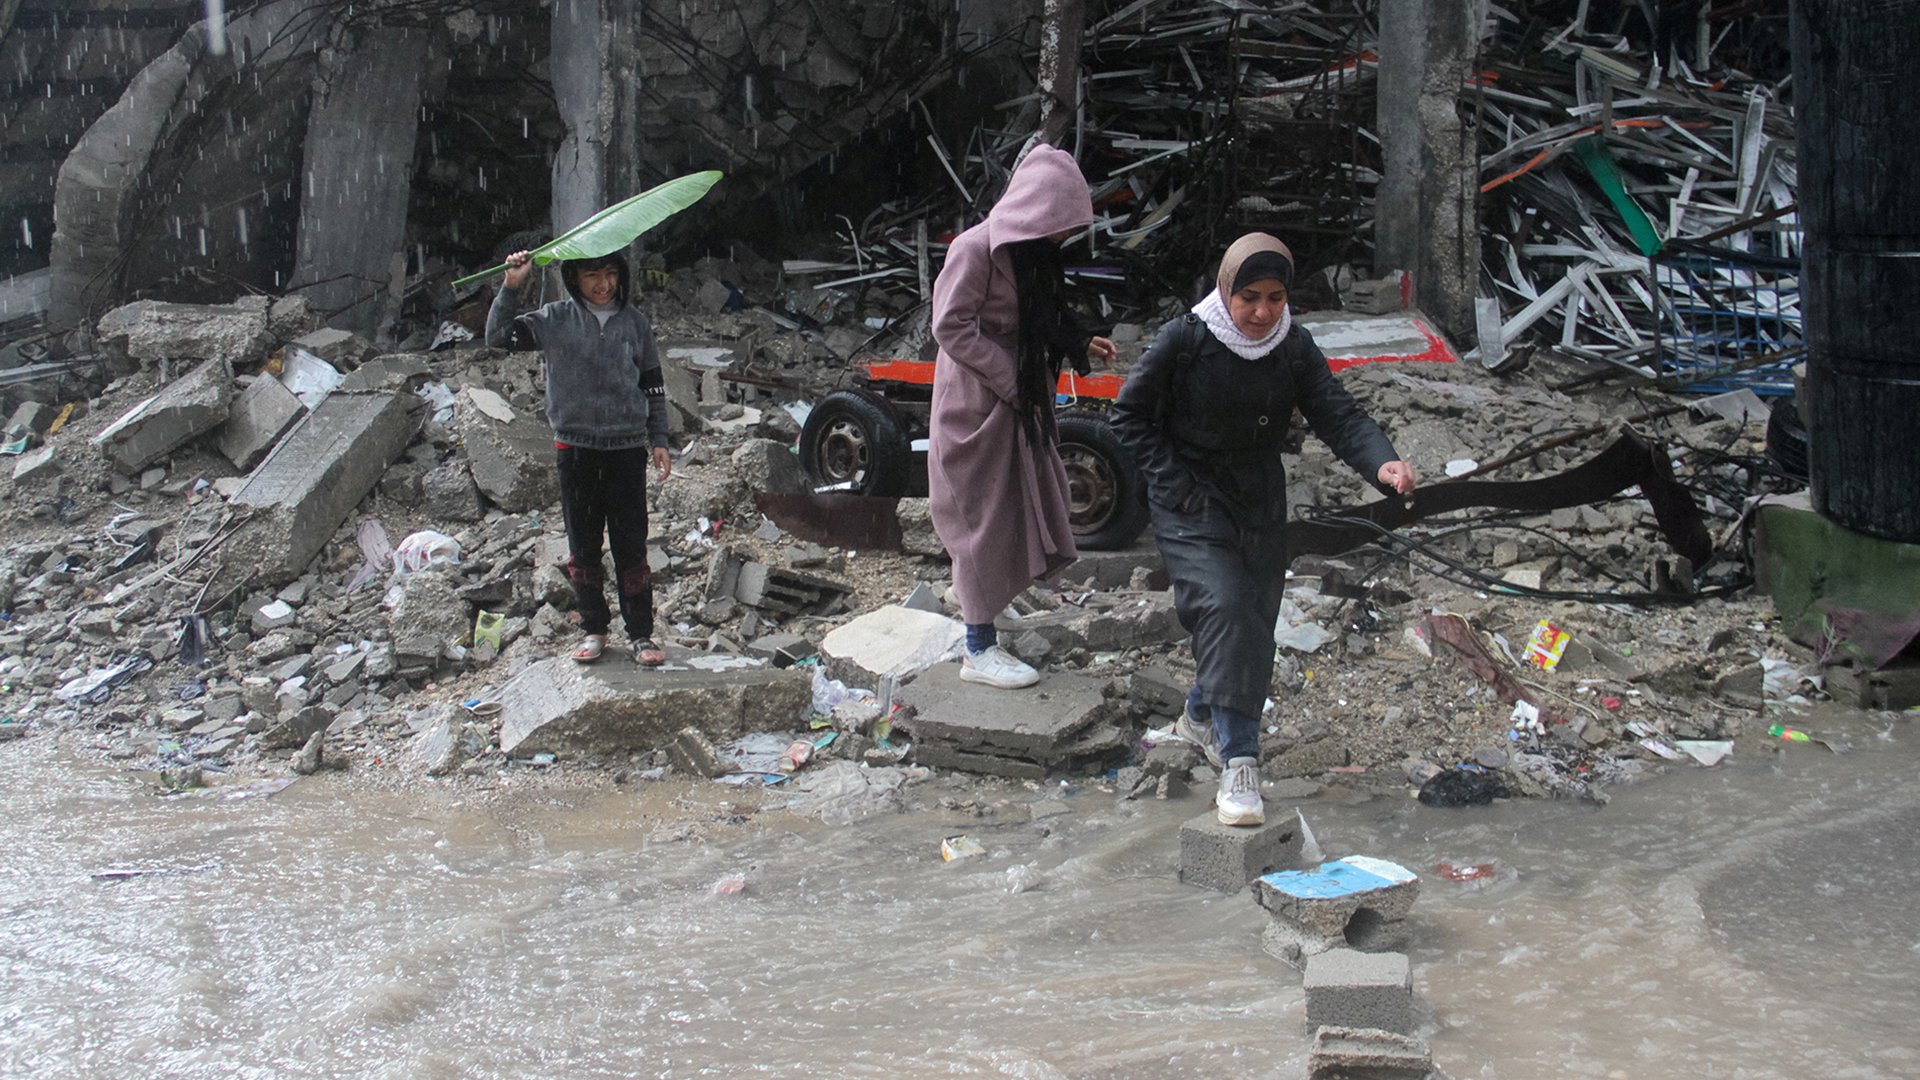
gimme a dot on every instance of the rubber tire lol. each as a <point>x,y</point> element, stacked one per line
<point>1787,438</point>
<point>856,434</point>
<point>1109,493</point>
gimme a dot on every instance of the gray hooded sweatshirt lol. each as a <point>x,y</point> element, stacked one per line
<point>605,389</point>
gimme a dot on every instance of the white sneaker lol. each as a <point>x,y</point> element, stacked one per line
<point>1239,800</point>
<point>1199,734</point>
<point>997,668</point>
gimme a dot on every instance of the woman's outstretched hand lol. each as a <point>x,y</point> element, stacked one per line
<point>1398,475</point>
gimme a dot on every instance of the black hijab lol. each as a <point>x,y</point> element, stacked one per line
<point>1049,335</point>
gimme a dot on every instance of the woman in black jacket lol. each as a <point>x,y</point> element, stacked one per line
<point>1205,410</point>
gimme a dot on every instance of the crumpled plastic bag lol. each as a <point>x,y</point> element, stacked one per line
<point>424,549</point>
<point>844,791</point>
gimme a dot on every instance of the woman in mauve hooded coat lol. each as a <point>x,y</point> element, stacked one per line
<point>999,493</point>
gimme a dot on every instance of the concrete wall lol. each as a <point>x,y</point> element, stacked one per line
<point>62,64</point>
<point>358,164</point>
<point>191,178</point>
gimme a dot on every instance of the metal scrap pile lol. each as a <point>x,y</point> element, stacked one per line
<point>1601,146</point>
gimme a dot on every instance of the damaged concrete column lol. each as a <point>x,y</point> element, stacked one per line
<point>596,85</point>
<point>359,168</point>
<point>1427,215</point>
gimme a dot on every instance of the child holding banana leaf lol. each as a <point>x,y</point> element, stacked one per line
<point>607,402</point>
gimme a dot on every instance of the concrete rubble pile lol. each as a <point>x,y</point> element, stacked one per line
<point>268,531</point>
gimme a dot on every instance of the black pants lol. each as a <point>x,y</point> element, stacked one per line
<point>605,491</point>
<point>1227,586</point>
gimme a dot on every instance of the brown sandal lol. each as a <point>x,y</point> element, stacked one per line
<point>648,653</point>
<point>589,650</point>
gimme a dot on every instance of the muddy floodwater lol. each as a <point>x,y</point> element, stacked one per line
<point>1750,921</point>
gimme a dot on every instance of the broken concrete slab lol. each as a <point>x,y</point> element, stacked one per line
<point>1342,1053</point>
<point>435,751</point>
<point>771,588</point>
<point>313,480</point>
<point>890,642</point>
<point>1045,726</point>
<point>31,418</point>
<point>1358,902</point>
<point>617,707</point>
<point>1225,858</point>
<point>1348,988</point>
<point>1122,569</point>
<point>235,334</point>
<point>511,463</point>
<point>693,753</point>
<point>1108,622</point>
<point>780,649</point>
<point>191,405</point>
<point>1091,752</point>
<point>295,730</point>
<point>264,412</point>
<point>36,465</point>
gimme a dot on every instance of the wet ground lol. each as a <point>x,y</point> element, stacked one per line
<point>1750,921</point>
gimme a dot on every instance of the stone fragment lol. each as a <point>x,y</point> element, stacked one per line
<point>36,465</point>
<point>889,642</point>
<point>780,649</point>
<point>694,754</point>
<point>273,615</point>
<point>1136,567</point>
<point>342,349</point>
<point>1225,857</point>
<point>296,729</point>
<point>325,466</point>
<point>451,494</point>
<point>435,751</point>
<point>617,707</point>
<point>511,463</point>
<point>308,760</point>
<point>767,465</point>
<point>31,418</point>
<point>923,598</point>
<point>1347,988</point>
<point>263,413</point>
<point>1341,1053</point>
<point>916,529</point>
<point>1307,759</point>
<point>429,617</point>
<point>189,406</point>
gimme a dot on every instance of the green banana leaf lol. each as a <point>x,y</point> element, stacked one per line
<point>615,227</point>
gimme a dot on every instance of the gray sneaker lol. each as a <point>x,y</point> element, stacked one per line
<point>1239,802</point>
<point>1198,734</point>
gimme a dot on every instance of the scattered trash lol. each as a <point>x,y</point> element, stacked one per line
<point>1788,734</point>
<point>1546,645</point>
<point>481,707</point>
<point>731,885</point>
<point>98,685</point>
<point>1526,719</point>
<point>422,550</point>
<point>954,848</point>
<point>1024,877</point>
<point>842,791</point>
<point>1471,872</point>
<point>1463,785</point>
<point>1708,752</point>
<point>486,628</point>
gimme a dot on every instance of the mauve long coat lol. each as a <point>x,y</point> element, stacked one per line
<point>999,504</point>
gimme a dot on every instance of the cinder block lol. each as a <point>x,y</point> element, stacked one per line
<point>1356,902</point>
<point>1353,989</point>
<point>1342,1053</point>
<point>1225,857</point>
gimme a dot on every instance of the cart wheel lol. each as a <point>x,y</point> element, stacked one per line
<point>853,441</point>
<point>1109,499</point>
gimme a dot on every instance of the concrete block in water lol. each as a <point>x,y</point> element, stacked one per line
<point>191,405</point>
<point>617,707</point>
<point>1347,988</point>
<point>1357,902</point>
<point>1344,1053</point>
<point>1225,857</point>
<point>313,480</point>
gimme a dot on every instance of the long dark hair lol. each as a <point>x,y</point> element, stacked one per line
<point>1049,333</point>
